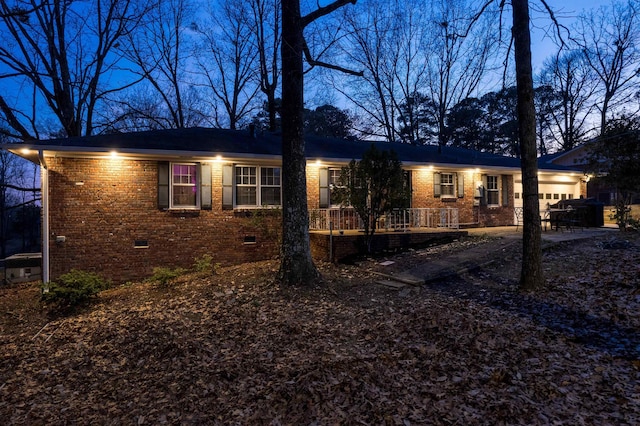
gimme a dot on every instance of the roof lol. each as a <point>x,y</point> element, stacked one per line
<point>207,142</point>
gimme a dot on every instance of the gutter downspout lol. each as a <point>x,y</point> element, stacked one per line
<point>44,191</point>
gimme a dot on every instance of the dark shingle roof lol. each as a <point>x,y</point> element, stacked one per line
<point>205,142</point>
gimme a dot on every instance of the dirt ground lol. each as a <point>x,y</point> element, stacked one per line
<point>236,348</point>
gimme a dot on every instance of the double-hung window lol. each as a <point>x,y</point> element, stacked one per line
<point>493,190</point>
<point>447,186</point>
<point>246,185</point>
<point>334,184</point>
<point>258,186</point>
<point>270,186</point>
<point>184,185</point>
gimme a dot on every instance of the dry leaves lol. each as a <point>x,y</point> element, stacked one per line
<point>236,349</point>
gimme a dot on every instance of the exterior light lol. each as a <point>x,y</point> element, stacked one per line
<point>218,158</point>
<point>113,154</point>
<point>25,151</point>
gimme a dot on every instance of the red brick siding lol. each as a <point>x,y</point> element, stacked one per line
<point>313,186</point>
<point>117,205</point>
<point>423,197</point>
<point>102,207</point>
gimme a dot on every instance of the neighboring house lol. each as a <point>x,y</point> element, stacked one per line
<point>121,204</point>
<point>577,158</point>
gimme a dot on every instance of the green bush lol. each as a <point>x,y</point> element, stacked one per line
<point>73,288</point>
<point>163,276</point>
<point>204,264</point>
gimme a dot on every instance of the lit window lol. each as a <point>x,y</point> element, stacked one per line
<point>447,187</point>
<point>184,186</point>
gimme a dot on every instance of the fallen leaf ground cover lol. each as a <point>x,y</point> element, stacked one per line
<point>235,348</point>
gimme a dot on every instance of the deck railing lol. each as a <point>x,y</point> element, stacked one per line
<point>343,219</point>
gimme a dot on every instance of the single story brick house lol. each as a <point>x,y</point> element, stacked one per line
<point>122,204</point>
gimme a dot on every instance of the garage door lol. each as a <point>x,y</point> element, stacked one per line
<point>550,193</point>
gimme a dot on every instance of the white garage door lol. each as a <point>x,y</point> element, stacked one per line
<point>550,192</point>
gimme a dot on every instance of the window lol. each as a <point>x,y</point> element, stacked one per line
<point>246,186</point>
<point>184,185</point>
<point>493,191</point>
<point>448,185</point>
<point>447,188</point>
<point>334,182</point>
<point>251,191</point>
<point>270,193</point>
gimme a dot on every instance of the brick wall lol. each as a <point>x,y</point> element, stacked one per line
<point>102,207</point>
<point>469,213</point>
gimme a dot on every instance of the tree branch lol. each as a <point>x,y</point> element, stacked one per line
<point>313,63</point>
<point>19,188</point>
<point>13,120</point>
<point>26,203</point>
<point>322,11</point>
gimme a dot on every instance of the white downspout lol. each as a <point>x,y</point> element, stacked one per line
<point>44,191</point>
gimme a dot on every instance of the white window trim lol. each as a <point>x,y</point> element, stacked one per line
<point>332,186</point>
<point>258,187</point>
<point>453,185</point>
<point>497,190</point>
<point>196,185</point>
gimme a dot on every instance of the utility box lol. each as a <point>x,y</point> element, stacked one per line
<point>22,267</point>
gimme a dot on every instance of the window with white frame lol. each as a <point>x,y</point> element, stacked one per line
<point>334,183</point>
<point>184,185</point>
<point>253,191</point>
<point>270,186</point>
<point>493,190</point>
<point>447,185</point>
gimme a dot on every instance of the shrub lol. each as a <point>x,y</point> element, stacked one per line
<point>73,288</point>
<point>163,276</point>
<point>204,264</point>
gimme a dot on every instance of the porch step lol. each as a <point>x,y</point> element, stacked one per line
<point>402,279</point>
<point>392,284</point>
<point>408,279</point>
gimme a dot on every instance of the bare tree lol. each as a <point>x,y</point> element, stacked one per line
<point>531,276</point>
<point>573,83</point>
<point>459,54</point>
<point>59,52</point>
<point>609,38</point>
<point>266,24</point>
<point>15,192</point>
<point>412,52</point>
<point>296,264</point>
<point>227,60</point>
<point>159,50</point>
<point>385,39</point>
<point>144,108</point>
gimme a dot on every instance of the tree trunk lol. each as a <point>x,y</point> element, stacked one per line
<point>296,264</point>
<point>531,273</point>
<point>271,109</point>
